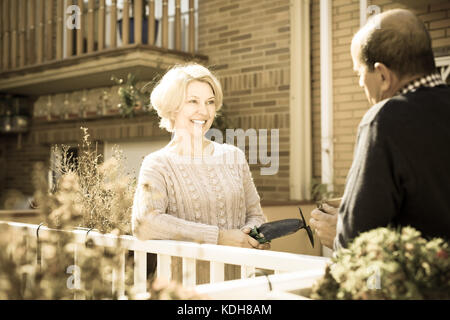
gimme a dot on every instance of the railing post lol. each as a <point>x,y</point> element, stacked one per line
<point>69,33</point>
<point>178,25</point>
<point>140,271</point>
<point>216,272</point>
<point>137,21</point>
<point>22,34</point>
<point>113,24</point>
<point>32,32</point>
<point>164,267</point>
<point>80,31</point>
<point>165,24</point>
<point>49,30</point>
<point>191,26</point>
<point>59,29</point>
<point>101,25</point>
<point>77,271</point>
<point>90,27</point>
<point>126,22</point>
<point>40,33</point>
<point>6,28</point>
<point>151,22</point>
<point>118,276</point>
<point>13,13</point>
<point>247,271</point>
<point>189,272</point>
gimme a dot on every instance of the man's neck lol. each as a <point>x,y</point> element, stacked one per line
<point>404,81</point>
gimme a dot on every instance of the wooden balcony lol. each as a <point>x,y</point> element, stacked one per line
<point>50,46</point>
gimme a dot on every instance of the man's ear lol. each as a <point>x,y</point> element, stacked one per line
<point>386,76</point>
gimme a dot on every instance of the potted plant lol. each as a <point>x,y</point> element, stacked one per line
<point>387,263</point>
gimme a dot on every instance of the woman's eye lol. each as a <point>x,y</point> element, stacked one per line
<point>192,101</point>
<point>211,102</point>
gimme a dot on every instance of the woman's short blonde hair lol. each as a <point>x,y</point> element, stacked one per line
<point>168,95</point>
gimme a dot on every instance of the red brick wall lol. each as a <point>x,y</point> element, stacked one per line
<point>350,102</point>
<point>247,43</point>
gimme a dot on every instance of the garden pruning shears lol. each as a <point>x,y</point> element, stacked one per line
<point>280,228</point>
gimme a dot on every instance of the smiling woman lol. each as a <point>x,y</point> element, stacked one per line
<point>195,189</point>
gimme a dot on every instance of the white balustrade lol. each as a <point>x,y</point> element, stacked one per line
<point>291,271</point>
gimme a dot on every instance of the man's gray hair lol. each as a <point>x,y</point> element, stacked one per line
<point>398,39</point>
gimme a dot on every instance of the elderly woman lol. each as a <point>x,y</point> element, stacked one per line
<point>194,189</point>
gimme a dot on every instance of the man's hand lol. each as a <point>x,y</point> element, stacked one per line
<point>240,238</point>
<point>325,224</point>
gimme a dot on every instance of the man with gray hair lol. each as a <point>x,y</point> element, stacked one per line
<point>401,168</point>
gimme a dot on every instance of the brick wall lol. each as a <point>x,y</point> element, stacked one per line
<point>247,43</point>
<point>350,102</point>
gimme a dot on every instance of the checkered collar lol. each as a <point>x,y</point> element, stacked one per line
<point>431,80</point>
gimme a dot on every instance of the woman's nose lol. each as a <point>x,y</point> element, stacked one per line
<point>202,109</point>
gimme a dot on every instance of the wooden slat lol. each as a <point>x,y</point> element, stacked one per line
<point>118,283</point>
<point>216,272</point>
<point>138,21</point>
<point>165,24</point>
<point>31,32</point>
<point>247,272</point>
<point>59,29</point>
<point>126,22</point>
<point>14,35</point>
<point>140,271</point>
<point>69,31</point>
<point>80,32</point>
<point>189,272</point>
<point>40,32</point>
<point>178,25</point>
<point>164,266</point>
<point>101,25</point>
<point>1,35</point>
<point>151,22</point>
<point>90,26</point>
<point>49,30</point>
<point>22,32</point>
<point>191,26</point>
<point>6,35</point>
<point>113,24</point>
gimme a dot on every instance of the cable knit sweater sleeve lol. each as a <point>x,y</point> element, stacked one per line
<point>254,213</point>
<point>149,215</point>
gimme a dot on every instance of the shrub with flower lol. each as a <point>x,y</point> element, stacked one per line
<point>89,194</point>
<point>388,264</point>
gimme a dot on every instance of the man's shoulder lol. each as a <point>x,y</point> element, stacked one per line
<point>387,109</point>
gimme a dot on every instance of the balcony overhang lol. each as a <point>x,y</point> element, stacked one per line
<point>93,70</point>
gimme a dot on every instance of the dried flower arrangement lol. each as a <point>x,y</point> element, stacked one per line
<point>385,263</point>
<point>89,194</point>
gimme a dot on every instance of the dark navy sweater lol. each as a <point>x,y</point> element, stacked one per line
<point>400,174</point>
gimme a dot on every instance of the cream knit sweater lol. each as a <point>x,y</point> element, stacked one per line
<point>190,199</point>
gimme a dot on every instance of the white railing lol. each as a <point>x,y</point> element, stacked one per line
<point>292,271</point>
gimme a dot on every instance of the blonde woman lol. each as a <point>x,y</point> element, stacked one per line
<point>194,189</point>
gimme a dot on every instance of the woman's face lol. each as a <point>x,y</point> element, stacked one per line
<point>197,111</point>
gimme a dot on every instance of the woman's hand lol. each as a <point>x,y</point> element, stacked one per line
<point>240,238</point>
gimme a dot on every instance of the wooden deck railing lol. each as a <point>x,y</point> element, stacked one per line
<point>33,32</point>
<point>218,256</point>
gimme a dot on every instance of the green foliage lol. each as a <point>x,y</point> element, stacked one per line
<point>320,191</point>
<point>132,98</point>
<point>388,264</point>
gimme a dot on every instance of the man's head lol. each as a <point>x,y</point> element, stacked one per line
<point>392,49</point>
